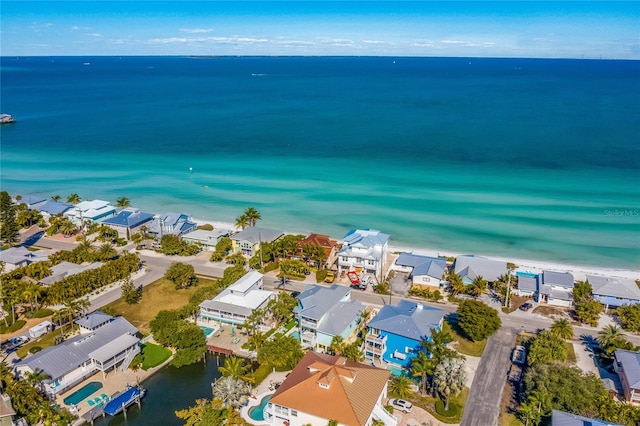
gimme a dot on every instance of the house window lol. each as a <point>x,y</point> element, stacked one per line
<point>408,350</point>
<point>294,413</point>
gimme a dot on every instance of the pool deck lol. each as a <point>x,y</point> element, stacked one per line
<point>260,392</point>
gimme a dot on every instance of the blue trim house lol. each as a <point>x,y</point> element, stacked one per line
<point>324,313</point>
<point>128,220</point>
<point>397,332</point>
<point>52,208</point>
<point>614,292</point>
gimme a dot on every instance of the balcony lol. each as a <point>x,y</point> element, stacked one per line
<point>376,344</point>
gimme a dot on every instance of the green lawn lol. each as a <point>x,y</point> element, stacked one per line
<point>157,296</point>
<point>43,342</point>
<point>428,403</point>
<point>464,345</point>
<point>153,355</point>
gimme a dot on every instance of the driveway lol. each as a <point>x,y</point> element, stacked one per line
<point>483,403</point>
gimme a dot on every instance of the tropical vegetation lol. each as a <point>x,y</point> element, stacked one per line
<point>477,320</point>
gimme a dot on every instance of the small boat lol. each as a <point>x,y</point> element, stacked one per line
<point>119,403</point>
<point>6,118</point>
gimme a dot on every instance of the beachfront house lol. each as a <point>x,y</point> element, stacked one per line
<point>329,246</point>
<point>627,365</point>
<point>52,208</point>
<point>614,292</point>
<point>396,333</point>
<point>206,239</point>
<point>94,211</point>
<point>424,271</point>
<point>236,303</point>
<point>322,388</point>
<point>528,285</point>
<point>128,221</point>
<point>31,201</point>
<point>364,250</point>
<point>470,266</point>
<point>248,240</point>
<point>110,346</point>
<point>557,288</point>
<point>171,223</point>
<point>324,313</point>
<point>16,257</point>
<point>66,269</point>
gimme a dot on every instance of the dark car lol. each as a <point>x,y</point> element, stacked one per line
<point>526,306</point>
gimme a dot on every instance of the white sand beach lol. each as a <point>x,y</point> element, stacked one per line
<point>579,272</point>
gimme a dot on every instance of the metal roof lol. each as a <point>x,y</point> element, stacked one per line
<point>93,320</point>
<point>562,279</point>
<point>526,283</point>
<point>129,218</point>
<point>255,234</point>
<point>339,317</point>
<point>615,287</point>
<point>53,207</point>
<point>469,266</point>
<point>59,360</point>
<point>560,418</point>
<point>316,300</point>
<point>117,345</point>
<point>16,255</point>
<point>630,362</point>
<point>408,319</point>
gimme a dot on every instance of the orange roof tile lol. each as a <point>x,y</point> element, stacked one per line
<point>333,388</point>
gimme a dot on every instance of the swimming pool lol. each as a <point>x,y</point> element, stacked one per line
<point>296,335</point>
<point>82,393</point>
<point>257,413</point>
<point>207,330</point>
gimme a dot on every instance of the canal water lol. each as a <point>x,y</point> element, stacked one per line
<point>168,390</point>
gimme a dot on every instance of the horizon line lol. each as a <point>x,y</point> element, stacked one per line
<point>320,56</point>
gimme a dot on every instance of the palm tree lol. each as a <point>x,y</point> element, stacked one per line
<point>107,252</point>
<point>478,286</point>
<point>562,328</point>
<point>67,227</point>
<point>231,391</point>
<point>242,222</point>
<point>257,339</point>
<point>337,345</point>
<point>123,202</point>
<point>456,284</point>
<point>73,198</point>
<point>252,215</point>
<point>422,366</point>
<point>449,378</point>
<point>234,367</point>
<point>610,338</point>
<point>36,376</point>
<point>400,386</point>
<point>6,375</point>
<point>56,198</point>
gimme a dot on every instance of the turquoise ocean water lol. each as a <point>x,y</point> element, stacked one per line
<point>523,158</point>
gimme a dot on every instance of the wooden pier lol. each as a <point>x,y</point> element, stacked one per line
<point>217,350</point>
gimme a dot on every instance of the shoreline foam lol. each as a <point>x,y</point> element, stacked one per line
<point>579,272</point>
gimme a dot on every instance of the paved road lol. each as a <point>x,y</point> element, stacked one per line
<point>483,403</point>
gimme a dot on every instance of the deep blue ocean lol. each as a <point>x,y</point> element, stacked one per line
<point>523,158</point>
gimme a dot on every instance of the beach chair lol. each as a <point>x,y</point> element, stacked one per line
<point>91,403</point>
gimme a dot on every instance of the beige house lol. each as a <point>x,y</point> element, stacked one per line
<point>327,387</point>
<point>627,365</point>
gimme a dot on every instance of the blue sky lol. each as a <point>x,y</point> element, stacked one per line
<point>453,28</point>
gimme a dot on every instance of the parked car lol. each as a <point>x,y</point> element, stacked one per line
<point>526,306</point>
<point>353,277</point>
<point>331,277</point>
<point>401,405</point>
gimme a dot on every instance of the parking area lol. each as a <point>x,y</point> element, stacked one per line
<point>400,283</point>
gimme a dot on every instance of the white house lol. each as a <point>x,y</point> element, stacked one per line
<point>206,239</point>
<point>469,267</point>
<point>171,223</point>
<point>327,387</point>
<point>236,303</point>
<point>16,257</point>
<point>557,288</point>
<point>424,271</point>
<point>614,292</point>
<point>364,250</point>
<point>93,210</point>
<point>114,344</point>
<point>128,221</point>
